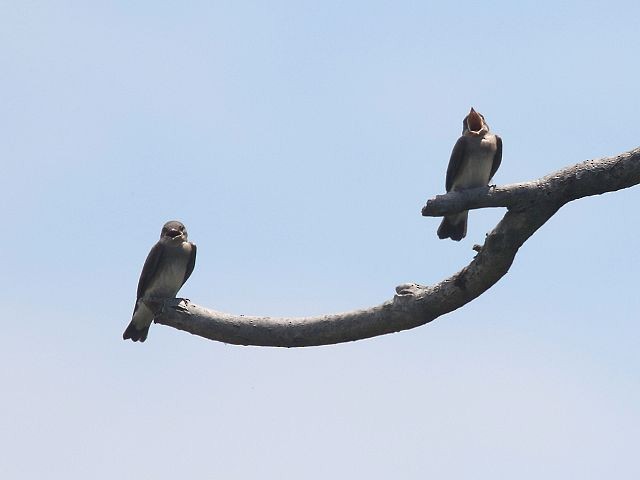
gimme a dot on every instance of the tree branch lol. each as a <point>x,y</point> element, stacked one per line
<point>592,177</point>
<point>529,205</point>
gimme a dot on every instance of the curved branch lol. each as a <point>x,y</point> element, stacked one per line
<point>529,205</point>
<point>592,177</point>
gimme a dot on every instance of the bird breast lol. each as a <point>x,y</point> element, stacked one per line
<point>171,272</point>
<point>477,165</point>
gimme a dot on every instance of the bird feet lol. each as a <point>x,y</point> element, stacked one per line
<point>182,304</point>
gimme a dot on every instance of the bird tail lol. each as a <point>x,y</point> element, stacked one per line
<point>454,226</point>
<point>134,334</point>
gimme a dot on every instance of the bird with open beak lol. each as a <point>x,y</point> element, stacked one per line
<point>167,267</point>
<point>474,160</point>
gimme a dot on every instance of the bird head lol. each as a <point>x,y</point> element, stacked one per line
<point>173,232</point>
<point>474,124</point>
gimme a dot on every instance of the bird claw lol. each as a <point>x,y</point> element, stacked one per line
<point>182,305</point>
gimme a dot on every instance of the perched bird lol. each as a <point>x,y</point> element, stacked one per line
<point>475,158</point>
<point>168,265</point>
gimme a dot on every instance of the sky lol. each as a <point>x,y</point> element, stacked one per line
<point>298,142</point>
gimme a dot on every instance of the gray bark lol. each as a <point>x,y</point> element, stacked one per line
<point>529,206</point>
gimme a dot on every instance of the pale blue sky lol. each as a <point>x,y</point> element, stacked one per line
<point>298,142</point>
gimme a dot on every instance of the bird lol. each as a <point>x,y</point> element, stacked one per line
<point>474,161</point>
<point>167,267</point>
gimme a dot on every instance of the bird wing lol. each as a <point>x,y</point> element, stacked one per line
<point>497,157</point>
<point>149,268</point>
<point>455,162</point>
<point>191,264</point>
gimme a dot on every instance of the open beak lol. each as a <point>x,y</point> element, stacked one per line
<point>474,121</point>
<point>173,233</point>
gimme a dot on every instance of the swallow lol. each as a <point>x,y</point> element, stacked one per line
<point>474,161</point>
<point>167,267</point>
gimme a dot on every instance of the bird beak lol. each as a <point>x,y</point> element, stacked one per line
<point>173,233</point>
<point>474,121</point>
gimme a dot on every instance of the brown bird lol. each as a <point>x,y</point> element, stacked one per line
<point>475,159</point>
<point>168,265</point>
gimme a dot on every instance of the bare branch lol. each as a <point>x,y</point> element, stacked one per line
<point>530,205</point>
<point>592,177</point>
